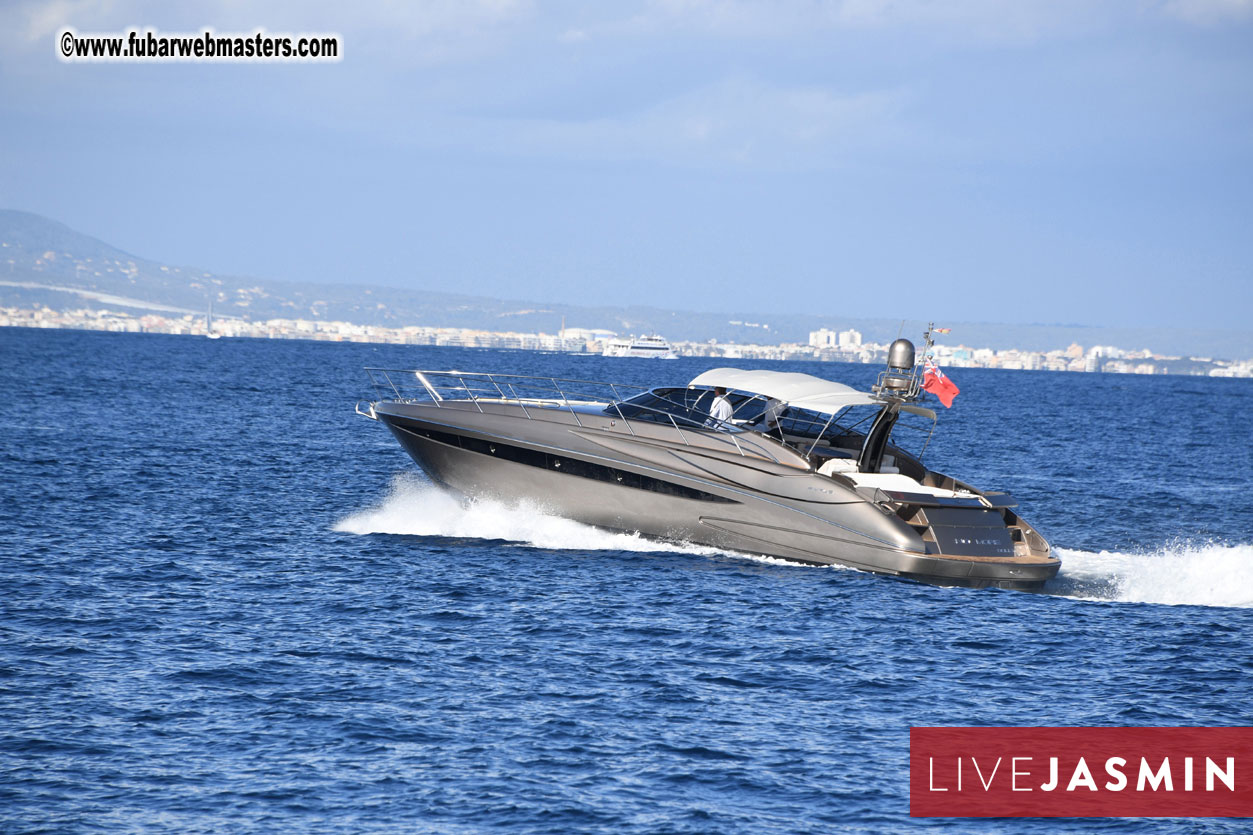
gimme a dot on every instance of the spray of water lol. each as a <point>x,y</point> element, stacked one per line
<point>414,507</point>
<point>1208,574</point>
<point>1185,574</point>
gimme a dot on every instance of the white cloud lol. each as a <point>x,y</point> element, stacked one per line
<point>40,21</point>
<point>415,24</point>
<point>1209,12</point>
<point>738,121</point>
<point>975,20</point>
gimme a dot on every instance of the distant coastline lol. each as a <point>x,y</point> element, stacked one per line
<point>46,264</point>
<point>823,345</point>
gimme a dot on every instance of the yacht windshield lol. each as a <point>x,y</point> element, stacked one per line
<point>804,429</point>
<point>847,430</point>
<point>687,406</point>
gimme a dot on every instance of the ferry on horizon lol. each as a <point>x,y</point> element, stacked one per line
<point>650,345</point>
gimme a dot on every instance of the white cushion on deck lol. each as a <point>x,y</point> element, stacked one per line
<point>901,484</point>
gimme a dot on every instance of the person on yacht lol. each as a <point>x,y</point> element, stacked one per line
<point>720,410</point>
<point>768,423</point>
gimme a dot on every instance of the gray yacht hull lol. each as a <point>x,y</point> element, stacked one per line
<point>736,491</point>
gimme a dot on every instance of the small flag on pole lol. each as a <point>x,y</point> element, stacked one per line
<point>943,330</point>
<point>935,381</point>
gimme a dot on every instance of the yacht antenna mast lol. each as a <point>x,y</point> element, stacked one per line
<point>929,341</point>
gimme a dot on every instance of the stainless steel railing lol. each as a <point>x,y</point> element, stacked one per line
<point>473,386</point>
<point>441,387</point>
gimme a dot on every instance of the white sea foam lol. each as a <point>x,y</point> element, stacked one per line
<point>1188,574</point>
<point>414,507</point>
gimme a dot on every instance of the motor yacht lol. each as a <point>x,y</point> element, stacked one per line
<point>803,469</point>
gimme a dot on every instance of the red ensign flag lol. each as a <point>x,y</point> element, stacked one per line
<point>935,381</point>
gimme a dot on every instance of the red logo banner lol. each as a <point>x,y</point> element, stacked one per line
<point>1081,772</point>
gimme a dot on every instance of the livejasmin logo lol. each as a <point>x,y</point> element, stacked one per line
<point>1081,775</point>
<point>1081,772</point>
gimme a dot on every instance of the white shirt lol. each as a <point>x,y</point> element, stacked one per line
<point>770,417</point>
<point>719,411</point>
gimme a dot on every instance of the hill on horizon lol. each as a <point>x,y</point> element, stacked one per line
<point>48,263</point>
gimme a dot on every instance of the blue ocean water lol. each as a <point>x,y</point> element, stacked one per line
<point>229,604</point>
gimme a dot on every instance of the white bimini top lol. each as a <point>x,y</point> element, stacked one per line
<point>801,391</point>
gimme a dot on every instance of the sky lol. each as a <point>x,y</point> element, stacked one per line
<point>1037,161</point>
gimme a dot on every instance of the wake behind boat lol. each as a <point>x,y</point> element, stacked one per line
<point>791,465</point>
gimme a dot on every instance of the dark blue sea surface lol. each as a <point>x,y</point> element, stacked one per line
<point>229,604</point>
